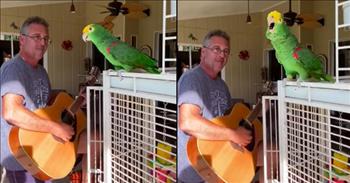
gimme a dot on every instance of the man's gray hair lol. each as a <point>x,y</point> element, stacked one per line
<point>33,20</point>
<point>213,33</point>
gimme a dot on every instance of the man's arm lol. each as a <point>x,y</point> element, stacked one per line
<point>15,113</point>
<point>192,123</point>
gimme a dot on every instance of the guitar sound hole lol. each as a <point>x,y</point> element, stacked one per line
<point>67,118</point>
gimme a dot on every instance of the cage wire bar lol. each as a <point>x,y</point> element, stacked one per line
<point>132,124</point>
<point>95,133</point>
<point>132,128</point>
<point>270,140</point>
<point>313,129</point>
<point>139,127</point>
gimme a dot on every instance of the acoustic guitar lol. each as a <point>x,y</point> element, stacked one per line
<point>42,154</point>
<point>225,161</point>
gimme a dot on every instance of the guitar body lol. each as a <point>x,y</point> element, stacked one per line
<point>40,153</point>
<point>225,161</point>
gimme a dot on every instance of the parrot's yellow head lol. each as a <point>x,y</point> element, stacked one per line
<point>86,31</point>
<point>273,18</point>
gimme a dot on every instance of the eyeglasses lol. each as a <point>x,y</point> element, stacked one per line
<point>217,50</point>
<point>38,38</point>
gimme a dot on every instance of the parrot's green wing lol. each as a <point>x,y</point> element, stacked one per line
<point>312,64</point>
<point>308,59</point>
<point>132,58</point>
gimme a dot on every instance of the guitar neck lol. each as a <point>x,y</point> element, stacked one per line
<point>253,114</point>
<point>76,105</point>
<point>80,100</point>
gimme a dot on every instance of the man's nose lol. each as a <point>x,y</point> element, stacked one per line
<point>222,53</point>
<point>43,41</point>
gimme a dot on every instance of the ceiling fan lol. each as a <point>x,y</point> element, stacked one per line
<point>133,10</point>
<point>305,20</point>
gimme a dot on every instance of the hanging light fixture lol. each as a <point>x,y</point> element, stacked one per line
<point>249,19</point>
<point>72,8</point>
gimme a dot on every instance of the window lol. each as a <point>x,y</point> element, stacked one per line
<point>275,69</point>
<point>9,47</point>
<point>344,58</point>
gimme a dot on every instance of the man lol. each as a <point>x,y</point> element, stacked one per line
<point>203,95</point>
<point>25,87</point>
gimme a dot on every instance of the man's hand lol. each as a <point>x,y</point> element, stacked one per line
<point>241,136</point>
<point>62,132</point>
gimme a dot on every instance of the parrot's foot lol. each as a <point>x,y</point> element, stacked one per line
<point>298,82</point>
<point>289,79</point>
<point>120,74</point>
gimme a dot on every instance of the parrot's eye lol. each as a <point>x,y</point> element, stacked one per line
<point>90,28</point>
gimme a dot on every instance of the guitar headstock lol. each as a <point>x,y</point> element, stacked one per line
<point>90,79</point>
<point>267,89</point>
<point>93,75</point>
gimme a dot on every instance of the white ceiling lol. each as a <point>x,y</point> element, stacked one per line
<point>10,4</point>
<point>190,9</point>
<point>187,9</point>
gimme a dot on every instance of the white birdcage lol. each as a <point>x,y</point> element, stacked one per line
<point>132,125</point>
<point>132,128</point>
<point>307,133</point>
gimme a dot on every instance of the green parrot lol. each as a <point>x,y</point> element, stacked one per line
<point>297,61</point>
<point>119,54</point>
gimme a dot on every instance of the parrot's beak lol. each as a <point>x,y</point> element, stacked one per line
<point>270,23</point>
<point>85,33</point>
<point>85,37</point>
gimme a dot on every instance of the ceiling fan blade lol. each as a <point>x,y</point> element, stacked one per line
<point>102,6</point>
<point>103,12</point>
<point>321,21</point>
<point>147,12</point>
<point>109,18</point>
<point>311,20</point>
<point>136,15</point>
<point>137,10</point>
<point>135,6</point>
<point>299,20</point>
<point>310,16</point>
<point>311,24</point>
<point>124,10</point>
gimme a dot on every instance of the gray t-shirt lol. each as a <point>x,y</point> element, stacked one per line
<point>213,98</point>
<point>18,77</point>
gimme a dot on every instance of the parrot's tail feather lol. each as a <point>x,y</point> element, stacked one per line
<point>328,78</point>
<point>152,70</point>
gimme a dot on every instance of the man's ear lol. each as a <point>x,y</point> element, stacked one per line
<point>202,52</point>
<point>21,39</point>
